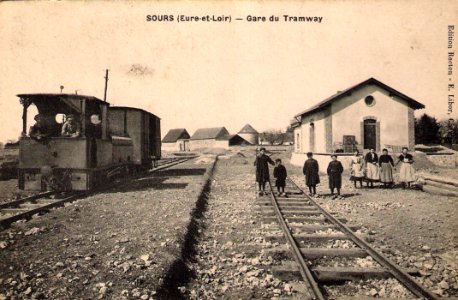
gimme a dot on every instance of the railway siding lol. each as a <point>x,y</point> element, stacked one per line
<point>231,260</point>
<point>117,244</point>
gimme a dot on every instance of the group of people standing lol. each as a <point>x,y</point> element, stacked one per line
<point>370,168</point>
<point>373,168</point>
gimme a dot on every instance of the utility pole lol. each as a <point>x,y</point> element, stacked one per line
<point>106,86</point>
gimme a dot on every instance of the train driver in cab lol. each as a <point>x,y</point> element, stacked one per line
<point>71,127</point>
<point>40,130</point>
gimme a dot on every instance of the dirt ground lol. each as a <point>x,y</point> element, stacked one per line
<point>413,228</point>
<point>9,190</point>
<point>119,245</point>
<point>230,262</point>
<point>114,245</point>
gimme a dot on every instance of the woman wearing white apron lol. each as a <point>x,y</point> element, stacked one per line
<point>407,171</point>
<point>372,172</point>
<point>357,168</point>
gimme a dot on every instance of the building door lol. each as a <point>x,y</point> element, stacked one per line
<point>370,134</point>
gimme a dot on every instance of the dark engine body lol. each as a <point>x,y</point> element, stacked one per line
<point>127,140</point>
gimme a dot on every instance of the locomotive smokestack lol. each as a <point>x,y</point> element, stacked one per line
<point>106,86</point>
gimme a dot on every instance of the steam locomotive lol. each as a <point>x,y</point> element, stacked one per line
<point>111,142</point>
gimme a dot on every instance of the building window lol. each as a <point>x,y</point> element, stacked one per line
<point>369,100</point>
<point>297,142</point>
<point>312,137</point>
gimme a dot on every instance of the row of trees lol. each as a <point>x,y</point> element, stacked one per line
<point>428,130</point>
<point>277,137</point>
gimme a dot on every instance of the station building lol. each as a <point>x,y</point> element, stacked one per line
<point>367,115</point>
<point>176,140</point>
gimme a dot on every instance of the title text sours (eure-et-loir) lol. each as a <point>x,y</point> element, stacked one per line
<point>228,18</point>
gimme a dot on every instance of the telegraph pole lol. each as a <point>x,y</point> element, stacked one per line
<point>106,86</point>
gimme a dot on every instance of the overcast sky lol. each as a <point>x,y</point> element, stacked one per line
<point>222,74</point>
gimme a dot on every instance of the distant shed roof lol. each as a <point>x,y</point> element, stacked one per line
<point>248,129</point>
<point>175,134</point>
<point>218,133</point>
<point>326,102</point>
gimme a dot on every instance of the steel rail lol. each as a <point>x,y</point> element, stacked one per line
<point>303,268</point>
<point>18,202</point>
<point>5,223</point>
<point>408,281</point>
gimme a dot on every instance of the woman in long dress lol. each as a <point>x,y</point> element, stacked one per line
<point>372,172</point>
<point>407,171</point>
<point>357,168</point>
<point>386,164</point>
<point>335,170</point>
<point>310,171</point>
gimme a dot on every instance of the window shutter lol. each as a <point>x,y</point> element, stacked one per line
<point>362,134</point>
<point>377,130</point>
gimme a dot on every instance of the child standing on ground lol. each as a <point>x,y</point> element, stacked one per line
<point>335,170</point>
<point>280,174</point>
<point>357,169</point>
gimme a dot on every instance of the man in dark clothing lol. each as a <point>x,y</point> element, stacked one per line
<point>310,171</point>
<point>42,129</point>
<point>280,174</point>
<point>262,170</point>
<point>335,170</point>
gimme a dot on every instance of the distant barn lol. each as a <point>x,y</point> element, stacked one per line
<point>217,137</point>
<point>249,134</point>
<point>237,140</point>
<point>368,115</point>
<point>176,140</point>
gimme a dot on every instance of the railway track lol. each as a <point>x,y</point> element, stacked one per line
<point>41,203</point>
<point>308,229</point>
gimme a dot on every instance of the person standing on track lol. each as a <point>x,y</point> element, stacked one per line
<point>335,170</point>
<point>357,168</point>
<point>262,170</point>
<point>407,171</point>
<point>280,175</point>
<point>310,170</point>
<point>372,172</point>
<point>386,169</point>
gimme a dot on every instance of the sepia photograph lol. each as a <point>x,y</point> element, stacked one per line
<point>228,149</point>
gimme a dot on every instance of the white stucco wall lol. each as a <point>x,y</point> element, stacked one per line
<point>171,146</point>
<point>390,111</point>
<point>200,144</point>
<point>304,131</point>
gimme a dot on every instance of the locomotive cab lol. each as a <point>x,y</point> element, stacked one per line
<point>64,154</point>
